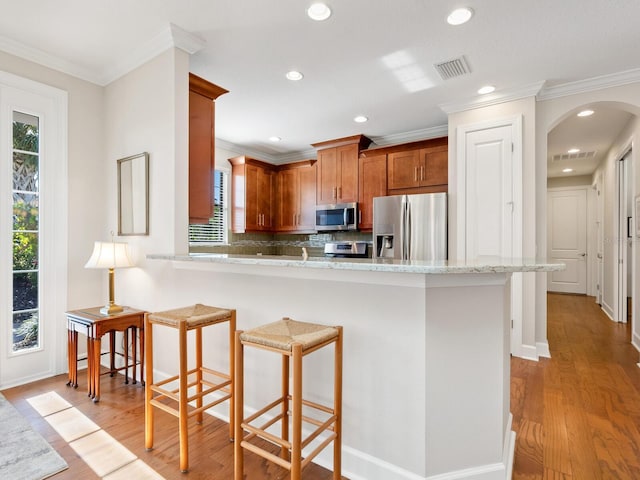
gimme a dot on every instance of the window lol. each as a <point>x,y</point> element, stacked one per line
<point>26,256</point>
<point>214,232</point>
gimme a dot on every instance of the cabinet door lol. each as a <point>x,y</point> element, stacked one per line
<point>373,183</point>
<point>404,169</point>
<point>201,158</point>
<point>288,194</point>
<point>435,170</point>
<point>252,207</point>
<point>266,191</point>
<point>347,181</point>
<point>307,198</point>
<point>327,174</point>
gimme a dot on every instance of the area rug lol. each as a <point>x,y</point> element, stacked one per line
<point>24,454</point>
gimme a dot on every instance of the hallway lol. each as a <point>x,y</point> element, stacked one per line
<point>577,414</point>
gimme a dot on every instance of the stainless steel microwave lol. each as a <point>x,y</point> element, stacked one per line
<point>339,216</point>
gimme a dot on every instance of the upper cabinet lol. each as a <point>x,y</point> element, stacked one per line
<point>296,197</point>
<point>252,195</point>
<point>337,180</point>
<point>416,167</point>
<point>372,183</point>
<point>202,96</point>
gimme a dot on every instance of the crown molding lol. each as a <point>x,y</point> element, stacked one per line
<point>590,84</point>
<point>250,152</point>
<point>495,98</point>
<point>45,59</point>
<point>171,37</point>
<point>412,136</point>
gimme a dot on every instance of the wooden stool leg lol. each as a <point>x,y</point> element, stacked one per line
<point>296,401</point>
<point>238,406</point>
<point>232,345</point>
<point>89,367</point>
<point>142,353</point>
<point>199,373</point>
<point>284,452</point>
<point>96,374</point>
<point>183,403</point>
<point>337,408</point>
<point>148,393</point>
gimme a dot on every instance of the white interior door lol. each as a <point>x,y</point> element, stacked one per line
<point>489,194</point>
<point>491,186</point>
<point>567,239</point>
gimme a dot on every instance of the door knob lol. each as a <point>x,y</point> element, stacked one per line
<point>582,254</point>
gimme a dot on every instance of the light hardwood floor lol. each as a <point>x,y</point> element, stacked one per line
<point>576,415</point>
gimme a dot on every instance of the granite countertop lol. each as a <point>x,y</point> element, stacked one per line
<point>482,265</point>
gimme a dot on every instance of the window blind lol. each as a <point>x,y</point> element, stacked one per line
<point>215,231</point>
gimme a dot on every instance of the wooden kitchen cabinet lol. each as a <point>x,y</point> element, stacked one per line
<point>337,177</point>
<point>424,169</point>
<point>372,183</point>
<point>296,197</point>
<point>252,195</point>
<point>202,96</point>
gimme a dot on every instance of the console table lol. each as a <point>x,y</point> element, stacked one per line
<point>91,323</point>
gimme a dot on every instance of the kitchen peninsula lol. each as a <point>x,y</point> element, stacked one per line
<point>426,353</point>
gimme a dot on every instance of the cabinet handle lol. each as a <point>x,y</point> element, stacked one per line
<point>294,219</point>
<point>335,190</point>
<point>422,173</point>
<point>415,174</point>
<point>339,192</point>
<point>359,216</point>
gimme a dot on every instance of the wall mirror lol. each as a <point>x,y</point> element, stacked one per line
<point>133,195</point>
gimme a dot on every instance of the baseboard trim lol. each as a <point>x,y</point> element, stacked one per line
<point>528,352</point>
<point>608,311</point>
<point>543,349</point>
<point>635,341</point>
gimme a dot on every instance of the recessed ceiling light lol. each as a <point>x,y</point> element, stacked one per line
<point>274,139</point>
<point>573,150</point>
<point>486,89</point>
<point>567,170</point>
<point>360,119</point>
<point>460,16</point>
<point>585,113</point>
<point>319,12</point>
<point>294,75</point>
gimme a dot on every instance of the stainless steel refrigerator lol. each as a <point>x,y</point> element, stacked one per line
<point>410,227</point>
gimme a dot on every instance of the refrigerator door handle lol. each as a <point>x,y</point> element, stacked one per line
<point>403,228</point>
<point>408,232</point>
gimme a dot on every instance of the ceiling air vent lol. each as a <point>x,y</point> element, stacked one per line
<point>560,157</point>
<point>452,68</point>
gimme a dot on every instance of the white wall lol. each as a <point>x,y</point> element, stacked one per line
<point>573,181</point>
<point>549,114</point>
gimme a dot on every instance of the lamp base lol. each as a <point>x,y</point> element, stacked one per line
<point>111,309</point>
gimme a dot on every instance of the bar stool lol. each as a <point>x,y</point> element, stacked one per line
<point>195,317</point>
<point>293,340</point>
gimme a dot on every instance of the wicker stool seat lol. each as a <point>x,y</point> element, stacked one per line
<point>200,380</point>
<point>292,340</point>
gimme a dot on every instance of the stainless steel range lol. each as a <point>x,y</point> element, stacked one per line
<point>347,249</point>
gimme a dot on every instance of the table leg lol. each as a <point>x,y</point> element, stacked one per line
<point>90,366</point>
<point>112,353</point>
<point>96,374</point>
<point>74,358</point>
<point>134,331</point>
<point>69,353</point>
<point>125,335</point>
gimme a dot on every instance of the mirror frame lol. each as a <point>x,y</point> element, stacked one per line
<point>122,206</point>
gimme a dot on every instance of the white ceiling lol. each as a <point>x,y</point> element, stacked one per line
<point>371,57</point>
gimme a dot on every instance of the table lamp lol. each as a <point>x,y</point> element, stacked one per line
<point>110,255</point>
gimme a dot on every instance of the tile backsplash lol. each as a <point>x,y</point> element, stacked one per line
<point>278,244</point>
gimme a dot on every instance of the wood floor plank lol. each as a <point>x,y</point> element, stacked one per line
<point>590,393</point>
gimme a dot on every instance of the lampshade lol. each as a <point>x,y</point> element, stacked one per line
<point>109,255</point>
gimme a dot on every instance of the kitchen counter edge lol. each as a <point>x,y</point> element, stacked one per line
<point>482,265</point>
